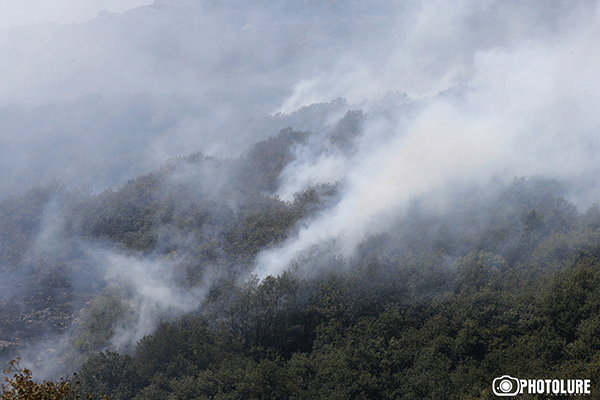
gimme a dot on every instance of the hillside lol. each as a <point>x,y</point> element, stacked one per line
<point>300,199</point>
<point>147,290</point>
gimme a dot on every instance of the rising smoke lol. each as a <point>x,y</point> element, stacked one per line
<point>516,102</point>
<point>451,92</point>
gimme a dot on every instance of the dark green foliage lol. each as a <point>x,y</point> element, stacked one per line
<point>262,165</point>
<point>501,280</point>
<point>222,205</point>
<point>266,224</point>
<point>125,216</point>
<point>99,322</point>
<point>181,348</point>
<point>20,221</point>
<point>368,347</point>
<point>109,373</point>
<point>347,129</point>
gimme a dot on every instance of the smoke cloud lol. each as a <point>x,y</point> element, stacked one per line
<point>451,92</point>
<point>29,12</point>
<point>507,101</point>
<point>152,292</point>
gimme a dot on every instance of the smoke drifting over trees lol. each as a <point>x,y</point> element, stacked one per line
<point>263,175</point>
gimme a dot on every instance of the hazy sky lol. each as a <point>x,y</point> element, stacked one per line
<point>521,83</point>
<point>29,12</point>
<point>180,76</point>
<point>495,88</point>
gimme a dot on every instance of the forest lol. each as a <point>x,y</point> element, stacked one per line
<point>500,279</point>
<point>300,199</point>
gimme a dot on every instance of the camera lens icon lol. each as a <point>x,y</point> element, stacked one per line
<point>506,386</point>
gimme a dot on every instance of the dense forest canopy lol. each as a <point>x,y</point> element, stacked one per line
<point>147,290</point>
<point>302,199</point>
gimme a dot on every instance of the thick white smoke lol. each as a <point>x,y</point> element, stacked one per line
<point>493,88</point>
<point>152,292</point>
<point>515,103</point>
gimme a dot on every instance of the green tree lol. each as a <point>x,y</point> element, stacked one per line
<point>22,386</point>
<point>110,374</point>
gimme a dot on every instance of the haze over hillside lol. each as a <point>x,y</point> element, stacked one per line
<point>99,102</point>
<point>36,12</point>
<point>149,157</point>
